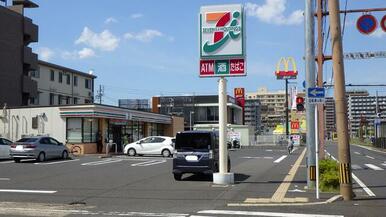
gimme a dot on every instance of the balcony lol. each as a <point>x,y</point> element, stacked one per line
<point>30,59</point>
<point>31,31</point>
<point>30,86</point>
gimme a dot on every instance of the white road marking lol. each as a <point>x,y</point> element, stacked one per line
<point>370,157</point>
<point>251,157</point>
<point>372,166</point>
<point>360,183</point>
<point>6,162</point>
<point>252,213</point>
<point>5,179</point>
<point>148,163</point>
<point>280,159</point>
<point>296,190</point>
<point>27,191</point>
<point>384,164</point>
<point>269,150</point>
<point>95,163</point>
<point>268,157</point>
<point>356,167</point>
<point>58,162</point>
<point>357,153</point>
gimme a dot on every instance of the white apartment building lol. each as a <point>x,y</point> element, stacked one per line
<point>272,106</point>
<point>58,85</point>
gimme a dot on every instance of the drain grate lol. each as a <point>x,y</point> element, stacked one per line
<point>77,203</point>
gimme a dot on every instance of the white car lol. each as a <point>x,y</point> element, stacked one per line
<point>157,145</point>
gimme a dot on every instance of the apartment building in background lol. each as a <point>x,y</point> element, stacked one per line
<point>135,104</point>
<point>59,85</point>
<point>252,114</point>
<point>16,58</point>
<point>272,106</point>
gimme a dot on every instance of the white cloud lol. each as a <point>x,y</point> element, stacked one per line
<point>45,53</point>
<point>111,20</point>
<point>105,40</point>
<point>86,53</point>
<point>136,16</point>
<point>379,33</point>
<point>146,35</point>
<point>272,11</point>
<point>78,54</point>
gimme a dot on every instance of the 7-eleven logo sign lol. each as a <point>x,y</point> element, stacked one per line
<point>221,31</point>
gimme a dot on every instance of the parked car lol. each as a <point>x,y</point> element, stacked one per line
<point>5,146</point>
<point>196,152</point>
<point>156,145</point>
<point>39,148</point>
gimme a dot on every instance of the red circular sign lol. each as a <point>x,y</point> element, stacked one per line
<point>383,23</point>
<point>366,24</point>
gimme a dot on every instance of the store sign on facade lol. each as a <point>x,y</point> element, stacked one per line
<point>286,72</point>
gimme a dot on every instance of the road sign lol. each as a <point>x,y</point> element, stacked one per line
<point>219,68</point>
<point>377,121</point>
<point>316,92</point>
<point>316,95</point>
<point>366,24</point>
<point>383,23</point>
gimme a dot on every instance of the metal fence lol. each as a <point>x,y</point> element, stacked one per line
<point>274,140</point>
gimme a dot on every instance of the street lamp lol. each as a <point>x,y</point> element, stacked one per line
<point>190,119</point>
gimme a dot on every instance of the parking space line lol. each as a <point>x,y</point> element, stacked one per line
<point>148,163</point>
<point>280,159</point>
<point>254,213</point>
<point>101,162</point>
<point>5,179</point>
<point>268,157</point>
<point>372,166</point>
<point>356,167</point>
<point>27,191</point>
<point>57,162</point>
<point>6,162</point>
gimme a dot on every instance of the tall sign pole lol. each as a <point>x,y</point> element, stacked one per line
<point>310,83</point>
<point>222,54</point>
<point>340,102</point>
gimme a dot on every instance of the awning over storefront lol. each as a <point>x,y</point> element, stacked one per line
<point>112,112</point>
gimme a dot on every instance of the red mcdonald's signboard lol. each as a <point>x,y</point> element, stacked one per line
<point>240,98</point>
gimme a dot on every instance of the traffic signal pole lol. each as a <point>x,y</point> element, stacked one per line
<point>286,108</point>
<point>340,102</point>
<point>310,82</point>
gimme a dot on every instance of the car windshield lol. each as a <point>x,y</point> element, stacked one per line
<point>193,141</point>
<point>27,140</point>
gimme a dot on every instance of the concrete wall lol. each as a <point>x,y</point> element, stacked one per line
<point>18,122</point>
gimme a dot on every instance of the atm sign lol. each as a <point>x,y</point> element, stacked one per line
<point>218,68</point>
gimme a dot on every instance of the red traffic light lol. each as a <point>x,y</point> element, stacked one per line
<point>299,100</point>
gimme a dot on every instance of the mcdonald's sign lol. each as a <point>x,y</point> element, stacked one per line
<point>286,73</point>
<point>240,98</point>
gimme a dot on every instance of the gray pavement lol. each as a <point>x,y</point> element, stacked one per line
<point>144,186</point>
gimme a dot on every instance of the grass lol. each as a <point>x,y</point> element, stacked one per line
<point>357,141</point>
<point>329,175</point>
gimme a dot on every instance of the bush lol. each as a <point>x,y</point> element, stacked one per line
<point>329,175</point>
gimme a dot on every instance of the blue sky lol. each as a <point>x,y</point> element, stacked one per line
<point>142,48</point>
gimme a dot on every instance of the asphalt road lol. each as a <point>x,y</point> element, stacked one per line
<point>144,186</point>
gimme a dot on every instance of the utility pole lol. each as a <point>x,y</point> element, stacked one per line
<point>340,102</point>
<point>320,60</point>
<point>310,82</point>
<point>100,94</point>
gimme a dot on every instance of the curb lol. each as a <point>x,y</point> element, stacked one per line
<point>331,200</point>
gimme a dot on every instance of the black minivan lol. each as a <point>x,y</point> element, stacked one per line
<point>196,152</point>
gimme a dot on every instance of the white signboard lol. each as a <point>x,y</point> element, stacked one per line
<point>221,31</point>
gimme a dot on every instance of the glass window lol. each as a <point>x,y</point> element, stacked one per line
<point>52,98</point>
<point>52,75</point>
<point>76,100</point>
<point>60,99</point>
<point>158,140</point>
<point>87,83</point>
<point>27,140</point>
<point>90,129</point>
<point>68,79</point>
<point>75,80</point>
<point>60,77</point>
<point>74,130</point>
<point>53,141</point>
<point>68,100</point>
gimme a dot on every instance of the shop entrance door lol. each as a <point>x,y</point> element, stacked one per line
<point>117,137</point>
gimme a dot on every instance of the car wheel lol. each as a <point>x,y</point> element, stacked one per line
<point>131,152</point>
<point>64,155</point>
<point>17,160</point>
<point>41,157</point>
<point>177,176</point>
<point>165,153</point>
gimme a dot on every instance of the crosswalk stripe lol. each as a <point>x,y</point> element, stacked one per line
<point>370,157</point>
<point>273,214</point>
<point>357,153</point>
<point>148,163</point>
<point>356,167</point>
<point>280,159</point>
<point>95,163</point>
<point>372,166</point>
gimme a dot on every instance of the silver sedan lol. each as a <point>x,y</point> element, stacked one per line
<point>39,148</point>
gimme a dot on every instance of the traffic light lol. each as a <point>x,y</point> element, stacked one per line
<point>299,104</point>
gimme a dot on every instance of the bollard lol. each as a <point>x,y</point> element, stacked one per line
<point>108,145</point>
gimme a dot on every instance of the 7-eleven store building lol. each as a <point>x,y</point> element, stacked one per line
<point>81,124</point>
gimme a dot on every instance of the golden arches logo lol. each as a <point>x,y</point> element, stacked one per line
<point>286,73</point>
<point>239,92</point>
